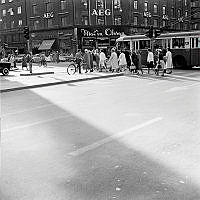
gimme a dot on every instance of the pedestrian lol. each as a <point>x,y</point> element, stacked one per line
<point>102,60</point>
<point>134,62</point>
<point>57,57</point>
<point>169,63</point>
<point>78,59</point>
<point>150,60</point>
<point>122,61</point>
<point>86,60</point>
<point>24,62</point>
<point>128,59</point>
<point>113,60</point>
<point>96,55</point>
<point>160,63</point>
<point>139,62</point>
<point>91,61</point>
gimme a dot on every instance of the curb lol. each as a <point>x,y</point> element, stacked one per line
<point>59,83</point>
<point>34,74</point>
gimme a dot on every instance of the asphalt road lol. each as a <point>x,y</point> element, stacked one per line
<point>126,138</point>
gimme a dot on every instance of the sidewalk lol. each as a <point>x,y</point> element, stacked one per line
<point>54,74</point>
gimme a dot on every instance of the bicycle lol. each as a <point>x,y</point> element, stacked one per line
<point>73,67</point>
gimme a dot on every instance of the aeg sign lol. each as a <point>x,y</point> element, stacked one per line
<point>101,12</point>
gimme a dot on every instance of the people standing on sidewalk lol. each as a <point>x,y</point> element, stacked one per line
<point>78,58</point>
<point>86,60</point>
<point>113,60</point>
<point>128,58</point>
<point>24,62</point>
<point>102,60</point>
<point>96,54</point>
<point>134,62</point>
<point>91,61</point>
<point>169,63</point>
<point>122,61</point>
<point>150,60</point>
<point>160,63</point>
<point>139,62</point>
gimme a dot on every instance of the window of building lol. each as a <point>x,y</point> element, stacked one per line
<point>164,10</point>
<point>179,13</point>
<point>172,12</point>
<point>12,24</point>
<point>155,23</point>
<point>3,1</point>
<point>186,13</point>
<point>48,7</point>
<point>135,5</point>
<point>85,20</point>
<point>100,4</point>
<point>164,23</point>
<point>145,21</point>
<point>20,22</point>
<point>117,4</point>
<point>4,12</point>
<point>185,2</point>
<point>10,0</point>
<point>155,8</point>
<point>36,25</point>
<point>14,38</point>
<point>19,10</point>
<point>135,21</point>
<point>84,4</point>
<point>63,4</point>
<point>145,6</point>
<point>100,20</point>
<point>117,20</point>
<point>64,21</point>
<point>34,9</point>
<point>50,23</point>
<point>10,10</point>
<point>4,25</point>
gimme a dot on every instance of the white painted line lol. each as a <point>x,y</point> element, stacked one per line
<point>34,123</point>
<point>184,77</point>
<point>99,143</point>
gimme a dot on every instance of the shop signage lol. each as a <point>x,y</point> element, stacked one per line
<point>101,12</point>
<point>147,14</point>
<point>48,15</point>
<point>98,33</point>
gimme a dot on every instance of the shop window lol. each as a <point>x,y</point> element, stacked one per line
<point>155,23</point>
<point>117,20</point>
<point>63,4</point>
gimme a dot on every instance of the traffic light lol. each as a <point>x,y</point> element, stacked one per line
<point>26,32</point>
<point>149,33</point>
<point>157,32</point>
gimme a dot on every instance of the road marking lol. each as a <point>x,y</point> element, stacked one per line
<point>34,123</point>
<point>184,77</point>
<point>174,89</point>
<point>99,143</point>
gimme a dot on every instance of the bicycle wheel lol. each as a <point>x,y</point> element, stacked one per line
<point>71,69</point>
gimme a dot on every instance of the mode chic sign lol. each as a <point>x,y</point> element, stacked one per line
<point>98,33</point>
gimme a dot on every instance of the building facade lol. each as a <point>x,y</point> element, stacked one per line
<point>66,25</point>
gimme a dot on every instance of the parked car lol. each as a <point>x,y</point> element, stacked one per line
<point>5,67</point>
<point>36,58</point>
<point>19,58</point>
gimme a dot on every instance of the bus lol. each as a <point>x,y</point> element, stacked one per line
<point>185,46</point>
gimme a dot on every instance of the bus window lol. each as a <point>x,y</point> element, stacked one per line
<point>192,42</point>
<point>198,42</point>
<point>178,43</point>
<point>144,44</point>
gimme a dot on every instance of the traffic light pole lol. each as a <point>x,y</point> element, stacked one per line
<point>30,60</point>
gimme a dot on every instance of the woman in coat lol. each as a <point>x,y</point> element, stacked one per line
<point>122,61</point>
<point>113,60</point>
<point>169,64</point>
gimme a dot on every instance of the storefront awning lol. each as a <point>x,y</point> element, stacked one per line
<point>46,44</point>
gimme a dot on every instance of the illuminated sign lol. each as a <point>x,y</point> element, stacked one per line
<point>101,12</point>
<point>97,33</point>
<point>48,15</point>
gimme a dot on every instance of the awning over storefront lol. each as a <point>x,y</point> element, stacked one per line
<point>46,44</point>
